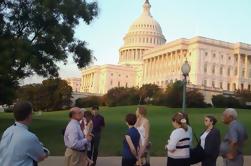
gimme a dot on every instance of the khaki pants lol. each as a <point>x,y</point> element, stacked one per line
<point>75,158</point>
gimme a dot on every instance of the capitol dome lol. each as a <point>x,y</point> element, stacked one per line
<point>143,34</point>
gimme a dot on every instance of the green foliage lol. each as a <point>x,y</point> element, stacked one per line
<point>35,35</point>
<point>195,99</point>
<point>148,92</point>
<point>174,94</point>
<point>172,97</point>
<point>221,101</point>
<point>52,94</point>
<point>88,101</point>
<point>122,96</point>
<point>244,96</point>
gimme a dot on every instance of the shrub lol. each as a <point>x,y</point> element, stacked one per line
<point>122,96</point>
<point>88,101</point>
<point>195,99</point>
<point>221,101</point>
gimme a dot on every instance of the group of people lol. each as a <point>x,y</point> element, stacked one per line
<point>20,147</point>
<point>82,136</point>
<point>179,147</point>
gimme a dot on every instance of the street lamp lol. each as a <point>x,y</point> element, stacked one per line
<point>185,71</point>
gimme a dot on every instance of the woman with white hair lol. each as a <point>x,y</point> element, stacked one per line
<point>232,146</point>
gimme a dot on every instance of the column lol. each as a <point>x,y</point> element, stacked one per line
<point>246,67</point>
<point>238,72</point>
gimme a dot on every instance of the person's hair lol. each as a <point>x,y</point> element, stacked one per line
<point>95,107</point>
<point>212,119</point>
<point>186,117</point>
<point>22,110</point>
<point>131,119</point>
<point>142,111</point>
<point>88,115</point>
<point>181,120</point>
<point>232,112</point>
<point>72,111</point>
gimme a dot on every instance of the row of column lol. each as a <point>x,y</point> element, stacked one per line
<point>88,80</point>
<point>165,64</point>
<point>240,65</point>
<point>131,54</point>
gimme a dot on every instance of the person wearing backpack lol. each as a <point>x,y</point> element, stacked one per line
<point>131,142</point>
<point>210,141</point>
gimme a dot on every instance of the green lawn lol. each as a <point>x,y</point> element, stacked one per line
<point>48,127</point>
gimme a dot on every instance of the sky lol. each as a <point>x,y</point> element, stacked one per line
<point>227,20</point>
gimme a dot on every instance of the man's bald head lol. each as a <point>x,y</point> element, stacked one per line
<point>75,113</point>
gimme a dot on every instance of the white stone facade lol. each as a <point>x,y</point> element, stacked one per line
<point>75,84</point>
<point>145,57</point>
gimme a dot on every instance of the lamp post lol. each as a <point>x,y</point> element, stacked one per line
<point>185,71</point>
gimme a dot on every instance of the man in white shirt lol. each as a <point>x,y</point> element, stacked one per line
<point>20,147</point>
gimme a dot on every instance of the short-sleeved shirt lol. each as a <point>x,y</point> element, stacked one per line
<point>98,123</point>
<point>236,133</point>
<point>19,147</point>
<point>135,136</point>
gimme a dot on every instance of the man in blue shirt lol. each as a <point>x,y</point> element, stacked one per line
<point>131,142</point>
<point>75,142</point>
<point>20,147</point>
<point>232,146</point>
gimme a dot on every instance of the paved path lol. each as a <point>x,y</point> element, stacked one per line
<point>115,161</point>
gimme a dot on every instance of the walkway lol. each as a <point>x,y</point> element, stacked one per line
<point>115,161</point>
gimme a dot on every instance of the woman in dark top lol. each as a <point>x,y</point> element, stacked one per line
<point>210,141</point>
<point>131,142</point>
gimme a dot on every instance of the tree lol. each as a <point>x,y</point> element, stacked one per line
<point>35,34</point>
<point>195,99</point>
<point>174,94</point>
<point>52,94</point>
<point>122,96</point>
<point>148,91</point>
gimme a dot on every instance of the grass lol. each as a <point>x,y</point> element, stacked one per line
<point>48,127</point>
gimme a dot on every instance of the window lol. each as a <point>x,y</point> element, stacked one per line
<point>126,84</point>
<point>111,82</point>
<point>213,69</point>
<point>205,68</point>
<point>243,72</point>
<point>205,83</point>
<point>228,71</point>
<point>221,85</point>
<point>111,74</point>
<point>249,87</point>
<point>119,84</point>
<point>214,55</point>
<point>242,86</point>
<point>221,70</point>
<point>235,71</point>
<point>228,86</point>
<point>221,56</point>
<point>206,53</point>
<point>213,84</point>
<point>234,86</point>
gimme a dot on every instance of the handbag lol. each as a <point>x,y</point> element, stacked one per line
<point>197,153</point>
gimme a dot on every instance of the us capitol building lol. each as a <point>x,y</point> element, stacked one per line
<point>216,66</point>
